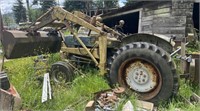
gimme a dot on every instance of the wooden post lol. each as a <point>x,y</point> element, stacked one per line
<point>197,72</point>
<point>183,62</point>
<point>102,53</point>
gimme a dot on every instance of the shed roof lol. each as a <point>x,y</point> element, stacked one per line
<point>134,6</point>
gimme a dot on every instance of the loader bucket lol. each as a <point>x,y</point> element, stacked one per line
<point>19,44</point>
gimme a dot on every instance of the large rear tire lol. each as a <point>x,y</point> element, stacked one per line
<point>145,69</point>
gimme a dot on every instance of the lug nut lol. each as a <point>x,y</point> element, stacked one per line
<point>136,78</point>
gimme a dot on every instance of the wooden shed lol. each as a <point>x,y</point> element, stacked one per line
<point>175,17</point>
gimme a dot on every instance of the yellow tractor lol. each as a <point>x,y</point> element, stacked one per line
<point>140,62</point>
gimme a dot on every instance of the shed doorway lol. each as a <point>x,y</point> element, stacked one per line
<point>131,22</point>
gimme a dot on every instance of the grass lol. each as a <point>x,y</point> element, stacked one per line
<point>22,76</point>
<point>76,94</point>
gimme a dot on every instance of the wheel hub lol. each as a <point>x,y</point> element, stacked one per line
<point>60,76</point>
<point>141,77</point>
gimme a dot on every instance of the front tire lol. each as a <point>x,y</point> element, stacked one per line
<point>145,69</point>
<point>61,72</point>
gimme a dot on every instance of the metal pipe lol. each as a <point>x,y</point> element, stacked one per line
<point>176,51</point>
<point>80,41</point>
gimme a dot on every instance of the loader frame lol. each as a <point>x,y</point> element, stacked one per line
<point>98,55</point>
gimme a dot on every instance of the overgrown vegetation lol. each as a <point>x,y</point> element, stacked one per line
<point>193,47</point>
<point>76,94</point>
<point>29,86</point>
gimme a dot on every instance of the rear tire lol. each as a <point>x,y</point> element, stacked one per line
<point>145,69</point>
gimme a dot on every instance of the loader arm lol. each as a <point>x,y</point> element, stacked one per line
<point>88,19</point>
<point>58,13</point>
<point>65,17</point>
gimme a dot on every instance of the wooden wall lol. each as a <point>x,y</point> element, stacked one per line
<point>184,8</point>
<point>168,18</point>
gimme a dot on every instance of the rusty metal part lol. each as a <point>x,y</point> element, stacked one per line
<point>141,76</point>
<point>176,51</point>
<point>20,44</point>
<point>119,90</point>
<point>88,19</point>
<point>107,100</point>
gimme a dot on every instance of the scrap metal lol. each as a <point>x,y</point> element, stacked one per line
<point>108,100</point>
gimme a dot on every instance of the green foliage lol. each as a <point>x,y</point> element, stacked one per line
<point>193,47</point>
<point>111,4</point>
<point>130,2</point>
<point>178,104</point>
<point>19,11</point>
<point>91,4</point>
<point>22,76</point>
<point>8,20</point>
<point>106,4</point>
<point>46,4</point>
<point>71,5</point>
<point>76,94</point>
<point>35,13</point>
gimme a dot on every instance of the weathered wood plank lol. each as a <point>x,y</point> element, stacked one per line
<point>147,18</point>
<point>150,22</point>
<point>189,25</point>
<point>145,32</point>
<point>189,20</point>
<point>169,30</point>
<point>163,10</point>
<point>169,21</point>
<point>160,6</point>
<point>158,11</point>
<point>146,28</point>
<point>182,12</point>
<point>178,36</point>
<point>189,30</point>
<point>182,5</point>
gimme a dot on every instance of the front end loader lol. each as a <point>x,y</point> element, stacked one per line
<point>141,66</point>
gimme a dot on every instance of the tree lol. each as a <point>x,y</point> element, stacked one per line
<point>29,18</point>
<point>7,19</point>
<point>46,4</point>
<point>74,5</point>
<point>107,4</point>
<point>19,11</point>
<point>111,4</point>
<point>129,2</point>
<point>35,13</point>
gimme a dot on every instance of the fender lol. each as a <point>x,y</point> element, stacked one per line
<point>162,41</point>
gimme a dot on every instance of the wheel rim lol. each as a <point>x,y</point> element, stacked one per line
<point>141,76</point>
<point>59,76</point>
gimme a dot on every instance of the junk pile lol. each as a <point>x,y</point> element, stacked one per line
<point>9,97</point>
<point>109,100</point>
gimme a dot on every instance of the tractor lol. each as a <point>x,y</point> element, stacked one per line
<point>140,62</point>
